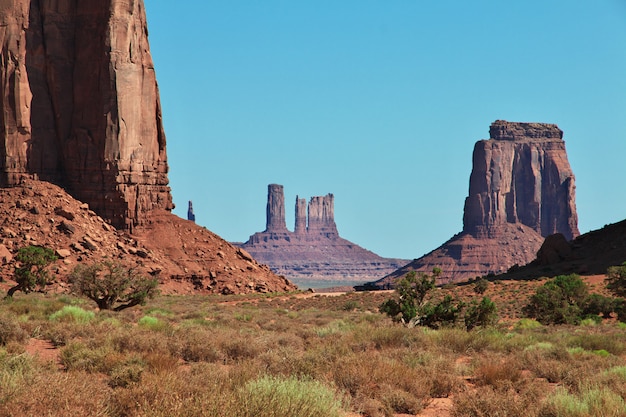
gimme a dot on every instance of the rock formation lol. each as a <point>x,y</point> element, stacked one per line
<point>80,104</point>
<point>521,191</point>
<point>275,209</point>
<point>190,214</point>
<point>184,257</point>
<point>300,228</point>
<point>81,109</point>
<point>313,253</point>
<point>521,175</point>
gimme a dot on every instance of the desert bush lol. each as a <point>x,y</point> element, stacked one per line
<point>286,397</point>
<point>11,331</point>
<point>481,314</point>
<point>496,402</point>
<point>152,323</point>
<point>593,401</point>
<point>201,390</point>
<point>496,371</point>
<point>442,313</point>
<point>410,292</point>
<point>599,304</point>
<point>73,314</point>
<point>60,394</point>
<point>481,286</point>
<point>558,301</point>
<point>616,280</point>
<point>79,356</point>
<point>31,271</point>
<point>363,375</point>
<point>126,373</point>
<point>111,285</point>
<point>16,372</point>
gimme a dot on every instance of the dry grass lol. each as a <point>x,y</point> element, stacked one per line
<point>203,356</point>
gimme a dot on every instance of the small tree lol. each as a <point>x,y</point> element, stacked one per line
<point>616,280</point>
<point>559,301</point>
<point>411,291</point>
<point>110,283</point>
<point>481,314</point>
<point>443,313</point>
<point>31,271</point>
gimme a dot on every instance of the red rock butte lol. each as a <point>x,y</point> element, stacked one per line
<point>314,251</point>
<point>521,191</point>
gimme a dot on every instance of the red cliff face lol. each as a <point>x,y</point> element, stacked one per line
<point>521,191</point>
<point>80,104</point>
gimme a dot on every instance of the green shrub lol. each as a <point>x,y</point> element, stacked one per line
<point>151,323</point>
<point>443,313</point>
<point>288,397</point>
<point>111,285</point>
<point>527,324</point>
<point>481,314</point>
<point>31,271</point>
<point>590,402</point>
<point>558,301</point>
<point>616,280</point>
<point>72,314</point>
<point>410,291</point>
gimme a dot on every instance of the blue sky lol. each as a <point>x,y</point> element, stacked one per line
<point>380,103</point>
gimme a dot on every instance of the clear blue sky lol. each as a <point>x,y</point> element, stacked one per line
<point>381,102</point>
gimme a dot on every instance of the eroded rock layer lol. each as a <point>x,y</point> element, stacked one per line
<point>521,191</point>
<point>314,252</point>
<point>80,104</point>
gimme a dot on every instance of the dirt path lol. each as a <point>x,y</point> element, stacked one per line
<point>44,350</point>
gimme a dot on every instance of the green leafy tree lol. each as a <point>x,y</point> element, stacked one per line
<point>559,301</point>
<point>481,314</point>
<point>411,291</point>
<point>31,271</point>
<point>616,280</point>
<point>111,285</point>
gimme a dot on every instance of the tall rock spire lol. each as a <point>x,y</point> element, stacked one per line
<point>300,227</point>
<point>275,209</point>
<point>81,106</point>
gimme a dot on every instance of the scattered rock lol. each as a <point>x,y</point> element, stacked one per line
<point>63,253</point>
<point>5,255</point>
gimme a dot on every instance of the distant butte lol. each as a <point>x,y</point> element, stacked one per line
<point>521,191</point>
<point>314,251</point>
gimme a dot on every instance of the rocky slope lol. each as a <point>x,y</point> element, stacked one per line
<point>184,257</point>
<point>589,254</point>
<point>521,190</point>
<point>314,251</point>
